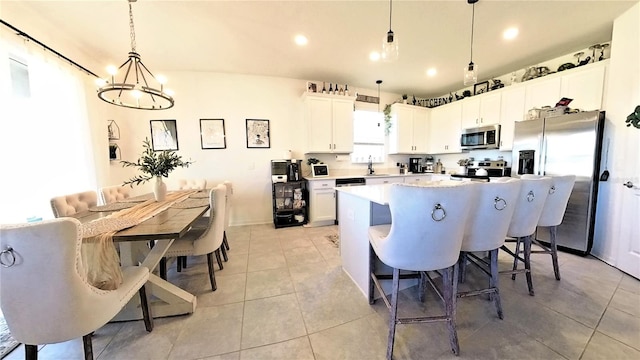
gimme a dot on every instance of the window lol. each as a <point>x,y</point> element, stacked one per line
<point>368,136</point>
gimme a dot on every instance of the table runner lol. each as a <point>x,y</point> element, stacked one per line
<point>99,255</point>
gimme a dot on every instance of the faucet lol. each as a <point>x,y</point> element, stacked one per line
<point>370,166</point>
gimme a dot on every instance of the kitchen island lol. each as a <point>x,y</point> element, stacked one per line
<point>358,208</point>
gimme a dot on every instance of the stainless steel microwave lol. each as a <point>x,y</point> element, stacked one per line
<point>486,137</point>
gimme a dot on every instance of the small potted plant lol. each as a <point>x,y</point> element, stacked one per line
<point>404,98</point>
<point>155,164</point>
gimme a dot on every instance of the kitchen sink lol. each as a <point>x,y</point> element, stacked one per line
<point>378,175</point>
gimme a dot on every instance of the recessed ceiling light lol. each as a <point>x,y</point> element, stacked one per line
<point>432,72</point>
<point>374,56</point>
<point>301,40</point>
<point>510,33</point>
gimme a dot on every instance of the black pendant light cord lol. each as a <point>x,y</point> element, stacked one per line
<point>390,10</point>
<point>28,37</point>
<point>473,20</point>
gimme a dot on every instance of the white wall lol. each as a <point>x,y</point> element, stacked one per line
<point>622,98</point>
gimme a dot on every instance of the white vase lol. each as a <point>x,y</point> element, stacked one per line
<point>159,189</point>
<point>462,170</point>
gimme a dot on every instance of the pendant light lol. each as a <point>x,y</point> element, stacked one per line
<point>138,89</point>
<point>378,82</point>
<point>471,70</point>
<point>390,42</point>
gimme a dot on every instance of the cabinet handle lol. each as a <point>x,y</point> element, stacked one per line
<point>329,146</point>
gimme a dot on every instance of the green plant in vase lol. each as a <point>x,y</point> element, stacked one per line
<point>154,164</point>
<point>387,119</point>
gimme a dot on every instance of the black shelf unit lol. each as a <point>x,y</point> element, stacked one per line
<point>289,203</point>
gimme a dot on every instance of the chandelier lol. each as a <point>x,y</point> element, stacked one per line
<point>471,70</point>
<point>134,89</point>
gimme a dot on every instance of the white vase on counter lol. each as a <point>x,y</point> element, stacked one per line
<point>160,189</point>
<point>462,170</point>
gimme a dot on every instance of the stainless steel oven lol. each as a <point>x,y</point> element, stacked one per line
<point>486,137</point>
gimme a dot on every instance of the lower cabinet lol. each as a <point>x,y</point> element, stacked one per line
<point>289,204</point>
<point>385,180</point>
<point>322,202</point>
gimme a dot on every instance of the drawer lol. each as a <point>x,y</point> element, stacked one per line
<point>322,184</point>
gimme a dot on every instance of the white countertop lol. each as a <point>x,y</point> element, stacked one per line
<point>380,193</point>
<point>344,176</point>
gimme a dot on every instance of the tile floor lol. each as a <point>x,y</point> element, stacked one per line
<point>283,295</point>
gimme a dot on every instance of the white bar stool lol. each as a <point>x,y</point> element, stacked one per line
<point>486,230</point>
<point>552,215</point>
<point>533,194</point>
<point>425,235</point>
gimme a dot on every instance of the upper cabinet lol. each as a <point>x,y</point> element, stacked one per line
<point>329,121</point>
<point>481,111</point>
<point>542,92</point>
<point>585,87</point>
<point>512,109</point>
<point>409,126</point>
<point>444,129</point>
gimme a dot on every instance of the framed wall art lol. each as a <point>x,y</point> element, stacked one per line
<point>164,135</point>
<point>258,135</point>
<point>212,135</point>
<point>481,88</point>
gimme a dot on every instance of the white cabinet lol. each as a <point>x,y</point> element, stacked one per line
<point>408,133</point>
<point>512,110</point>
<point>481,110</point>
<point>585,87</point>
<point>416,179</point>
<point>329,123</point>
<point>444,129</point>
<point>542,92</point>
<point>322,202</point>
<point>384,180</point>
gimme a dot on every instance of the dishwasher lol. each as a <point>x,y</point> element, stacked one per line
<point>357,181</point>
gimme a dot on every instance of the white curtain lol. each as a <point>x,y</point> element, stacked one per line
<point>45,141</point>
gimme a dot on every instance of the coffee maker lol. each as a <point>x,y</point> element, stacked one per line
<point>294,168</point>
<point>415,165</point>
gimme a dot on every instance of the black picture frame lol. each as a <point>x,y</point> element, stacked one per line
<point>258,134</point>
<point>164,135</point>
<point>481,88</point>
<point>212,134</point>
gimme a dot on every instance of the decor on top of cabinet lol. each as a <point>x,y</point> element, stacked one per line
<point>481,88</point>
<point>258,135</point>
<point>154,164</point>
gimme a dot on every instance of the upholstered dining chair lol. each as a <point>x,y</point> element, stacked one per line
<point>552,215</point>
<point>204,241</point>
<point>46,297</point>
<point>70,204</point>
<point>192,184</point>
<point>425,234</point>
<point>531,199</point>
<point>111,194</point>
<point>227,215</point>
<point>486,230</point>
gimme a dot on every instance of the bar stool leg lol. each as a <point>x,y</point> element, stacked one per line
<point>450,281</point>
<point>493,282</point>
<point>515,259</point>
<point>393,312</point>
<point>462,263</point>
<point>553,230</point>
<point>372,271</point>
<point>527,262</point>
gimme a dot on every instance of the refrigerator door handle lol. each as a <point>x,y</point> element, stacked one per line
<point>543,157</point>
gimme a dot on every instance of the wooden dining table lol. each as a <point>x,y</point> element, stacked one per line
<point>146,244</point>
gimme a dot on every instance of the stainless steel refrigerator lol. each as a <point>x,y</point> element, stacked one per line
<point>563,145</point>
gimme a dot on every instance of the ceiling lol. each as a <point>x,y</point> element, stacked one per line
<point>256,37</point>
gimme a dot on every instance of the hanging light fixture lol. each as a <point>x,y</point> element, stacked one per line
<point>471,70</point>
<point>390,42</point>
<point>134,90</point>
<point>378,82</point>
